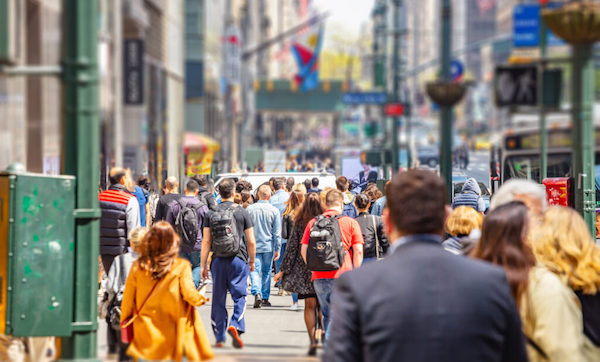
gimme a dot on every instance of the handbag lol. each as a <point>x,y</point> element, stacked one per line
<point>127,324</point>
<point>376,238</point>
<point>286,226</point>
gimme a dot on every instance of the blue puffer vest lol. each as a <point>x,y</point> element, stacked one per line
<point>113,223</point>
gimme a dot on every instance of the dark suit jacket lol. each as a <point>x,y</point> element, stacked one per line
<point>371,177</point>
<point>423,303</point>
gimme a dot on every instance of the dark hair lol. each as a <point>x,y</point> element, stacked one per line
<point>290,184</point>
<point>315,182</point>
<point>202,180</point>
<point>503,243</point>
<point>307,184</point>
<point>143,181</point>
<point>116,177</point>
<point>226,188</point>
<point>246,198</point>
<point>192,186</point>
<point>278,183</point>
<point>362,201</point>
<point>341,183</point>
<point>386,188</point>
<point>311,208</point>
<point>416,202</point>
<point>243,185</point>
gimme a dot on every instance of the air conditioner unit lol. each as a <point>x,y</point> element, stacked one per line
<point>11,31</point>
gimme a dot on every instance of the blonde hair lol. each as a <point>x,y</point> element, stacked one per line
<point>463,220</point>
<point>136,236</point>
<point>564,245</point>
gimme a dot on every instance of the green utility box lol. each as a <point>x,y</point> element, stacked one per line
<point>37,227</point>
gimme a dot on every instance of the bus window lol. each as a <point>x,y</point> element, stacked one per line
<point>528,167</point>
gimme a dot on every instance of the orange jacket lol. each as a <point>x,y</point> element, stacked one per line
<point>168,327</point>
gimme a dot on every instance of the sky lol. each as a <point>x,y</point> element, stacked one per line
<point>346,15</point>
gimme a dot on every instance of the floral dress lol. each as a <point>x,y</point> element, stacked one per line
<point>296,276</point>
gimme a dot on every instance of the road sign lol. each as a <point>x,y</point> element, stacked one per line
<point>516,86</point>
<point>526,26</point>
<point>457,69</point>
<point>232,65</point>
<point>356,98</point>
<point>133,69</point>
<point>394,109</point>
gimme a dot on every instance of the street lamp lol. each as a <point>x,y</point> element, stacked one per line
<point>578,23</point>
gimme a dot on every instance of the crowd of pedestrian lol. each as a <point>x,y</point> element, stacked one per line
<point>519,281</point>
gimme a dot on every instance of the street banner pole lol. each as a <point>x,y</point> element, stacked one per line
<point>446,111</point>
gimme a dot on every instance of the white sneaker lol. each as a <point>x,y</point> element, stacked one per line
<point>295,307</point>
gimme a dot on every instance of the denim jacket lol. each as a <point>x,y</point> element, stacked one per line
<point>267,226</point>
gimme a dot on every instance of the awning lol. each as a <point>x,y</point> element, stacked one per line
<point>198,142</point>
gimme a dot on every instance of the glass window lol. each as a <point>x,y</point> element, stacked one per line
<point>528,167</point>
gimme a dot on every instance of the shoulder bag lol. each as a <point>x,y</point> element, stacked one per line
<point>127,324</point>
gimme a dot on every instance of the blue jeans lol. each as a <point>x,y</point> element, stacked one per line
<point>369,260</point>
<point>261,276</point>
<point>323,288</point>
<point>280,260</point>
<point>194,258</point>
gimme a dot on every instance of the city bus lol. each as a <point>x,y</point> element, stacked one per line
<point>518,154</point>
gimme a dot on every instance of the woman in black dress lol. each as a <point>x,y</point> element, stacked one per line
<point>294,274</point>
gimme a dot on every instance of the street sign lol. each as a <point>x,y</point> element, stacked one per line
<point>356,98</point>
<point>133,64</point>
<point>516,86</point>
<point>457,70</point>
<point>394,109</point>
<point>232,64</point>
<point>526,26</point>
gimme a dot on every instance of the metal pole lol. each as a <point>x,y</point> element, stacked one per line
<point>117,45</point>
<point>583,133</point>
<point>542,110</point>
<point>446,112</point>
<point>396,84</point>
<point>81,158</point>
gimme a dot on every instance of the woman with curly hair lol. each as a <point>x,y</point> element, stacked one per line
<point>565,246</point>
<point>549,312</point>
<point>159,300</point>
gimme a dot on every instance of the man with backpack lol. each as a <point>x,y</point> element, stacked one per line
<point>204,193</point>
<point>186,215</point>
<point>229,233</point>
<point>332,244</point>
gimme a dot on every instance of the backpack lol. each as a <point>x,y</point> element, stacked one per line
<point>186,223</point>
<point>325,245</point>
<point>225,238</point>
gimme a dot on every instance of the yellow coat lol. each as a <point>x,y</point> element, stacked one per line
<point>168,327</point>
<point>551,317</point>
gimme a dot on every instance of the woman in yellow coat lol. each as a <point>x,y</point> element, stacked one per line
<point>167,327</point>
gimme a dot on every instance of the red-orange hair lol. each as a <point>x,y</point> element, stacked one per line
<point>159,249</point>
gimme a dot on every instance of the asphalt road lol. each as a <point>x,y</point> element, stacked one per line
<point>272,334</point>
<point>479,166</point>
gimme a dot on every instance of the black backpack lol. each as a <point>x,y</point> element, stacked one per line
<point>225,238</point>
<point>186,223</point>
<point>325,245</point>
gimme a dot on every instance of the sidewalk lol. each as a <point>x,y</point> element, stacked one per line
<point>272,334</point>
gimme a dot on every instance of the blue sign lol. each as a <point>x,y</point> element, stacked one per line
<point>364,98</point>
<point>526,27</point>
<point>457,70</point>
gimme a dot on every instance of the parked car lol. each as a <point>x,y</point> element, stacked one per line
<point>428,155</point>
<point>258,178</point>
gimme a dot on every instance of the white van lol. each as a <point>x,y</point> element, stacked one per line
<point>258,178</point>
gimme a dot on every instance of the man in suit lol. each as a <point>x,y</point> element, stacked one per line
<point>422,303</point>
<point>366,176</point>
